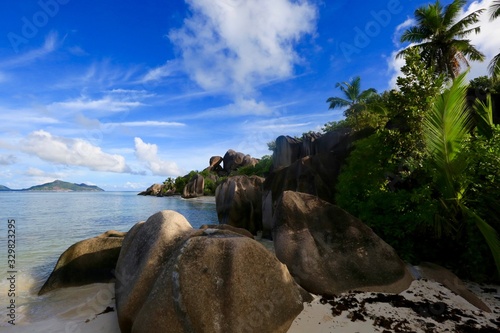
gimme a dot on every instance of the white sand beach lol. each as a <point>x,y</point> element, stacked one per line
<point>425,307</point>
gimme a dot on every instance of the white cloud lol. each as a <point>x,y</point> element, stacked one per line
<point>234,46</point>
<point>48,47</point>
<point>104,104</point>
<point>239,108</point>
<point>158,73</point>
<point>401,28</point>
<point>15,117</point>
<point>73,152</point>
<point>148,123</point>
<point>148,153</point>
<point>35,172</point>
<point>7,159</point>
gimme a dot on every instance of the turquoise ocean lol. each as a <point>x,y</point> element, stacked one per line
<point>47,223</point>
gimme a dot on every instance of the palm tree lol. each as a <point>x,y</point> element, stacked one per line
<point>494,66</point>
<point>440,37</point>
<point>445,129</point>
<point>355,100</point>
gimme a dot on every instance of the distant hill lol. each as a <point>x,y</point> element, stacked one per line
<point>61,186</point>
<point>4,188</point>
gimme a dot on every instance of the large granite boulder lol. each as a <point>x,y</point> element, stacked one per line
<point>172,278</point>
<point>329,251</point>
<point>239,202</point>
<point>227,227</point>
<point>194,188</point>
<point>215,166</point>
<point>233,160</point>
<point>288,149</point>
<point>155,189</point>
<point>89,261</point>
<point>315,174</point>
<point>286,152</point>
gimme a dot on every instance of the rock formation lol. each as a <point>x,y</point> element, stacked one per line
<point>89,261</point>
<point>314,174</point>
<point>215,165</point>
<point>239,202</point>
<point>329,251</point>
<point>195,188</point>
<point>227,227</point>
<point>172,278</point>
<point>234,160</point>
<point>289,150</point>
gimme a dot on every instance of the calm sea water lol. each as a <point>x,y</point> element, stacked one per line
<point>47,223</point>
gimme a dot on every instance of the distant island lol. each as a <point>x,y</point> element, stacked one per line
<point>59,186</point>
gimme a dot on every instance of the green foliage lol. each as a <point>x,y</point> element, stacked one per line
<point>355,101</point>
<point>484,85</point>
<point>371,188</point>
<point>271,145</point>
<point>446,129</point>
<point>181,181</point>
<point>261,169</point>
<point>335,125</point>
<point>426,186</point>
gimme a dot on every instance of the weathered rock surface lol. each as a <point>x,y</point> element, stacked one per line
<point>289,150</point>
<point>234,160</point>
<point>215,165</point>
<point>195,187</point>
<point>154,189</point>
<point>239,202</point>
<point>89,261</point>
<point>315,174</point>
<point>158,190</point>
<point>329,251</point>
<point>444,276</point>
<point>171,278</point>
<point>228,227</point>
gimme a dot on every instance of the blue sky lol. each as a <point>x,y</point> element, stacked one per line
<point>123,94</point>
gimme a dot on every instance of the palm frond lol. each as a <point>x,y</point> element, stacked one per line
<point>415,34</point>
<point>460,26</point>
<point>445,128</point>
<point>452,11</point>
<point>484,119</point>
<point>337,102</point>
<point>366,94</point>
<point>494,67</point>
<point>495,10</point>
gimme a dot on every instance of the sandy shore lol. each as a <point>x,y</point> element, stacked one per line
<point>425,307</point>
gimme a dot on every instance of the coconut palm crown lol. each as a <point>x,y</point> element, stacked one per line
<point>441,38</point>
<point>494,66</point>
<point>355,99</point>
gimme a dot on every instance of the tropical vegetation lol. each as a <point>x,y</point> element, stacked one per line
<point>441,38</point>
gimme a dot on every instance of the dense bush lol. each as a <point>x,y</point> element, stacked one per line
<point>396,187</point>
<point>261,169</point>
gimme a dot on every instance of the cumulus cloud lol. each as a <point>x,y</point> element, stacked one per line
<point>486,41</point>
<point>236,45</point>
<point>73,152</point>
<point>148,153</point>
